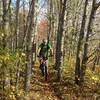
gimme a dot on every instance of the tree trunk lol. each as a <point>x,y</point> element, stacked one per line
<point>17,23</point>
<point>29,47</point>
<point>81,36</point>
<point>60,39</point>
<point>85,52</point>
<point>6,81</point>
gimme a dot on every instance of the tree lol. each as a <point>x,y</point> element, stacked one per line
<point>29,46</point>
<point>79,45</point>
<point>60,39</point>
<point>17,23</point>
<point>89,31</point>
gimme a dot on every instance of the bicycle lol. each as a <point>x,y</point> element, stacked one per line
<point>44,67</point>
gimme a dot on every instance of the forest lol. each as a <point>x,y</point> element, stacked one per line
<point>70,33</point>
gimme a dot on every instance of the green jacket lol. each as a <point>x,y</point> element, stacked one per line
<point>44,49</point>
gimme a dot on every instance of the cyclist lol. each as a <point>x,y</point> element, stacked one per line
<point>43,51</point>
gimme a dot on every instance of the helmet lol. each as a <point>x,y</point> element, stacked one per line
<point>44,40</point>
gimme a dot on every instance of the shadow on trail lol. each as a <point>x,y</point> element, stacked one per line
<point>63,90</point>
<point>66,89</point>
<point>41,89</point>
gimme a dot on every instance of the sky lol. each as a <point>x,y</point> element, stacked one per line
<point>42,7</point>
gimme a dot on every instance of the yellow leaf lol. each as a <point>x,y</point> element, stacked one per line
<point>23,54</point>
<point>95,78</point>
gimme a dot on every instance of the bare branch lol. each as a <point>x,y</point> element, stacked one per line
<point>97,5</point>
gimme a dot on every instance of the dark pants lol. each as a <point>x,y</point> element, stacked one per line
<point>44,68</point>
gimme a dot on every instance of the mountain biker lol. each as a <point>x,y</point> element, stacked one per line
<point>43,51</point>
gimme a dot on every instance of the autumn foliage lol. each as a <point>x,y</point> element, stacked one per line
<point>42,29</point>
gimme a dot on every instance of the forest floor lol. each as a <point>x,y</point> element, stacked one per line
<point>41,89</point>
<point>63,90</point>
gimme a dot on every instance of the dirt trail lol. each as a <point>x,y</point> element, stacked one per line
<point>64,90</point>
<point>41,89</point>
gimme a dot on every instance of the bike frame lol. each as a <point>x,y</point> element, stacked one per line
<point>44,67</point>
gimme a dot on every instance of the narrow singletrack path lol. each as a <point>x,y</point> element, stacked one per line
<point>41,89</point>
